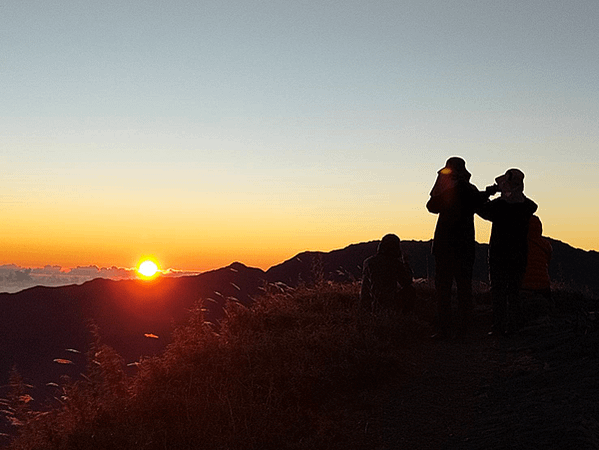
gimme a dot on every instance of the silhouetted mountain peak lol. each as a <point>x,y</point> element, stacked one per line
<point>237,266</point>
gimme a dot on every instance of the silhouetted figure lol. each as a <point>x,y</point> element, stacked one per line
<point>455,200</point>
<point>508,248</point>
<point>536,276</point>
<point>387,278</point>
<point>536,285</point>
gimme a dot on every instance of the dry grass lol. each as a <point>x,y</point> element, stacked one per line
<point>272,376</point>
<point>288,373</point>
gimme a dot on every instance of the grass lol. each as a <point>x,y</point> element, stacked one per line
<point>284,374</point>
<point>272,376</point>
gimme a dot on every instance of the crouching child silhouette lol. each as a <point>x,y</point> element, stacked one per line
<point>387,278</point>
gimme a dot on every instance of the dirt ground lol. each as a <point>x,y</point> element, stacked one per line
<point>536,390</point>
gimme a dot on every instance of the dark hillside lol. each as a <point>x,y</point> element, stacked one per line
<point>38,324</point>
<point>345,264</point>
<point>136,318</point>
<point>576,268</point>
<point>308,368</point>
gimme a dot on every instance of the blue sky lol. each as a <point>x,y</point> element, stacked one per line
<point>267,128</point>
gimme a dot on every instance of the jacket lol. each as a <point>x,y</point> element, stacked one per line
<point>536,276</point>
<point>509,233</point>
<point>454,232</point>
<point>384,273</point>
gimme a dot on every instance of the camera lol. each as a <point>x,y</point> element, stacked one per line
<point>492,190</point>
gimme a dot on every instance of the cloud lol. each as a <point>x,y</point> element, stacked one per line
<point>14,278</point>
<point>15,274</point>
<point>104,272</point>
<point>177,273</point>
<point>48,269</point>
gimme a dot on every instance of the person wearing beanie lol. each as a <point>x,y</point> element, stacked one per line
<point>387,278</point>
<point>455,200</point>
<point>508,248</point>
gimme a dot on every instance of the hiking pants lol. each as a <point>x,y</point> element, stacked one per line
<point>446,271</point>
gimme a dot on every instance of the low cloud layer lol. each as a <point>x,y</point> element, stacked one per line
<point>14,278</point>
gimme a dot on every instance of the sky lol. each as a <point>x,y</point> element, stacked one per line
<point>206,132</point>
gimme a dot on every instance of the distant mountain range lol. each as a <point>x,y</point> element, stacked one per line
<point>574,268</point>
<point>42,325</point>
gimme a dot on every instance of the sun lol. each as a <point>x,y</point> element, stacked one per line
<point>148,269</point>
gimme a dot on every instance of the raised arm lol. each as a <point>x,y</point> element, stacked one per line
<point>485,208</point>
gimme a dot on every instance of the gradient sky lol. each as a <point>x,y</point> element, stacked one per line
<point>207,132</point>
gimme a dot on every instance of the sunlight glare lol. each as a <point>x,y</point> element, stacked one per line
<point>148,269</point>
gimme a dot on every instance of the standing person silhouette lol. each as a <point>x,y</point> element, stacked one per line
<point>508,249</point>
<point>455,200</point>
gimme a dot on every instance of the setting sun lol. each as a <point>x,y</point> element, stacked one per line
<point>148,269</point>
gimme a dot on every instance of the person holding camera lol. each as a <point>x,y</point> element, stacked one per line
<point>510,215</point>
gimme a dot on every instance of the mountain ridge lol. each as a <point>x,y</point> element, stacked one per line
<point>137,317</point>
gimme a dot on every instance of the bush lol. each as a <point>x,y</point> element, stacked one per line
<point>277,375</point>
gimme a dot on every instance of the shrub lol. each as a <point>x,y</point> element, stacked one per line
<point>277,375</point>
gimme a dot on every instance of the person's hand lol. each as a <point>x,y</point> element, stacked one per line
<point>492,190</point>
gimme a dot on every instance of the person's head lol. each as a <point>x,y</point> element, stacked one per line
<point>390,245</point>
<point>455,167</point>
<point>535,227</point>
<point>511,184</point>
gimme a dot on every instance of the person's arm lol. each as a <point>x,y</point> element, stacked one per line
<point>437,203</point>
<point>487,206</point>
<point>533,206</point>
<point>439,197</point>
<point>432,206</point>
<point>482,197</point>
<point>405,276</point>
<point>548,249</point>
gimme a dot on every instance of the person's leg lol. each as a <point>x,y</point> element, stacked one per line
<point>443,282</point>
<point>407,299</point>
<point>464,288</point>
<point>499,295</point>
<point>514,312</point>
<point>547,296</point>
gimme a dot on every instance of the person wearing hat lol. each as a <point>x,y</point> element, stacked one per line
<point>455,200</point>
<point>510,215</point>
<point>387,278</point>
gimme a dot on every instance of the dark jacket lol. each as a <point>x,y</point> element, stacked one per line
<point>454,233</point>
<point>383,274</point>
<point>509,233</point>
<point>536,276</point>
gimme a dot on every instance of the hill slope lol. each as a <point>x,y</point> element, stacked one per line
<point>308,368</point>
<point>38,324</point>
<point>576,268</point>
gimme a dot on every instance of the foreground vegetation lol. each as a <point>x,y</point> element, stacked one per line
<point>278,375</point>
<point>289,373</point>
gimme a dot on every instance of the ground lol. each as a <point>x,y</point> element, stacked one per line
<point>538,389</point>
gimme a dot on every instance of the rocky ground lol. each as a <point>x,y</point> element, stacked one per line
<point>538,389</point>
